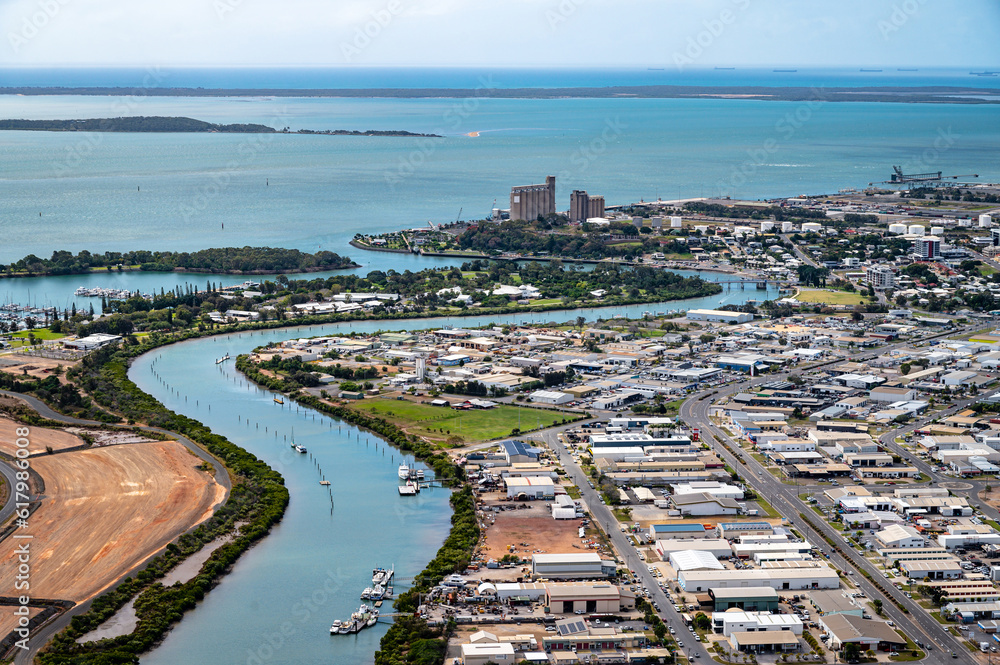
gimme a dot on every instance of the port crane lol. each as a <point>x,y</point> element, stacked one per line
<point>930,179</point>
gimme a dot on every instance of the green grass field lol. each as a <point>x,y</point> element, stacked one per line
<point>442,423</point>
<point>828,297</point>
<point>40,333</point>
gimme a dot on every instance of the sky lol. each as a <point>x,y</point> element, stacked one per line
<point>501,33</point>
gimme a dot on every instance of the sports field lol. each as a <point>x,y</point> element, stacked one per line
<point>828,297</point>
<point>440,423</point>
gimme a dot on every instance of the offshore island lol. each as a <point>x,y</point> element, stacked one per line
<point>139,124</point>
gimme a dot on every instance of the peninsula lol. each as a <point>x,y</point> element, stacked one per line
<point>227,260</point>
<point>161,124</point>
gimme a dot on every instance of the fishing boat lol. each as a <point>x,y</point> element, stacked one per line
<point>372,618</point>
<point>378,593</point>
<point>420,474</point>
<point>404,471</point>
<point>367,593</point>
<point>300,449</point>
<point>382,576</point>
<point>335,627</point>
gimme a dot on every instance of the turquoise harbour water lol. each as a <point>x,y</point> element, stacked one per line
<point>104,192</point>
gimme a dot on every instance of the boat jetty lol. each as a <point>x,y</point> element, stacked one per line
<point>366,616</point>
<point>110,294</point>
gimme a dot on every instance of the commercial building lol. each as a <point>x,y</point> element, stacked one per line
<point>551,397</point>
<point>91,342</point>
<point>899,537</point>
<point>786,579</point>
<point>733,621</point>
<point>718,316</point>
<point>751,599</point>
<point>846,628</point>
<point>712,488</point>
<point>571,565</point>
<point>694,560</point>
<point>701,504</point>
<point>717,547</point>
<point>764,642</point>
<point>945,569</point>
<point>488,651</point>
<point>589,598</point>
<point>519,487</point>
<point>530,201</point>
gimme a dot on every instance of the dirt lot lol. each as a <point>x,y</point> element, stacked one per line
<point>106,510</point>
<point>39,438</point>
<point>36,366</point>
<point>540,532</point>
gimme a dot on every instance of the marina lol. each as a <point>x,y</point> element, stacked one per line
<point>110,294</point>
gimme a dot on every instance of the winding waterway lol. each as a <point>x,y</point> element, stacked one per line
<point>277,604</point>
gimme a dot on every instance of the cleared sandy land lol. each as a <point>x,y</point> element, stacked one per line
<point>36,366</point>
<point>106,510</point>
<point>39,438</point>
<point>542,534</point>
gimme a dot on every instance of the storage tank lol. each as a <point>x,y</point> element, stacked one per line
<point>766,226</point>
<point>897,229</point>
<point>675,222</point>
<point>985,221</point>
<point>937,230</point>
<point>812,226</point>
<point>637,221</point>
<point>916,230</point>
<point>657,222</point>
<point>787,227</point>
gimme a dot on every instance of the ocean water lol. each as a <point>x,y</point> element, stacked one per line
<point>102,192</point>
